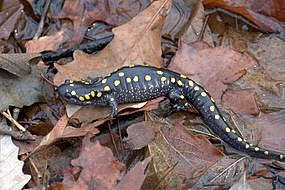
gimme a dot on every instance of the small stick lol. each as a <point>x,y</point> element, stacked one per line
<point>10,118</point>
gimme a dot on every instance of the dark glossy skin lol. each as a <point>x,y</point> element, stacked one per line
<point>142,83</point>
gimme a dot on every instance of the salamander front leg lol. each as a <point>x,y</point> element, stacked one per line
<point>113,106</point>
<point>93,80</point>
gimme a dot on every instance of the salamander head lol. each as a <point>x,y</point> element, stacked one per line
<point>76,92</point>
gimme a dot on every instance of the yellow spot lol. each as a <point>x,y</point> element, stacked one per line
<point>71,84</point>
<point>131,65</point>
<point>81,98</point>
<point>239,139</point>
<point>109,74</point>
<point>212,108</point>
<point>186,104</point>
<point>179,83</point>
<point>87,97</point>
<point>183,76</point>
<point>163,79</point>
<point>128,80</point>
<point>217,117</point>
<point>136,78</point>
<point>212,99</point>
<point>99,94</point>
<point>147,77</point>
<point>250,144</point>
<point>246,146</point>
<point>196,88</point>
<point>256,149</point>
<point>191,83</point>
<point>244,140</point>
<point>71,81</point>
<point>203,94</point>
<point>159,72</point>
<point>224,119</point>
<point>281,157</point>
<point>182,97</point>
<point>104,81</point>
<point>92,93</point>
<point>86,82</point>
<point>66,90</point>
<point>116,82</point>
<point>173,80</point>
<point>106,88</point>
<point>121,74</point>
<point>266,152</point>
<point>228,130</point>
<point>73,92</point>
<point>233,131</point>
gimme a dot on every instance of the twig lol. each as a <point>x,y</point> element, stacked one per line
<point>41,24</point>
<point>8,116</point>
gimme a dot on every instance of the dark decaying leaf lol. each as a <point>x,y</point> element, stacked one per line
<point>8,20</point>
<point>83,14</point>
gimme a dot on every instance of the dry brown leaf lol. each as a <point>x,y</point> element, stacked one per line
<point>213,68</point>
<point>193,155</point>
<point>45,43</point>
<point>251,11</point>
<point>12,176</point>
<point>99,169</point>
<point>136,42</point>
<point>141,134</point>
<point>241,101</point>
<point>135,177</point>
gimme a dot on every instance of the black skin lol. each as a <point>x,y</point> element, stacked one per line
<point>142,83</point>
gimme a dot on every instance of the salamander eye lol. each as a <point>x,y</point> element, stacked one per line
<point>67,95</point>
<point>67,81</point>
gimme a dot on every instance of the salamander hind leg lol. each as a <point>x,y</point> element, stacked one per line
<point>180,102</point>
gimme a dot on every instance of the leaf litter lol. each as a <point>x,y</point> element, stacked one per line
<point>179,159</point>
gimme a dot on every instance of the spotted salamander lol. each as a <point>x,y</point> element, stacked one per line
<point>142,83</point>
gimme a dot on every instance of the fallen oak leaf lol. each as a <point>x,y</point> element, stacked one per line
<point>136,42</point>
<point>135,177</point>
<point>213,68</point>
<point>99,169</point>
<point>193,155</point>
